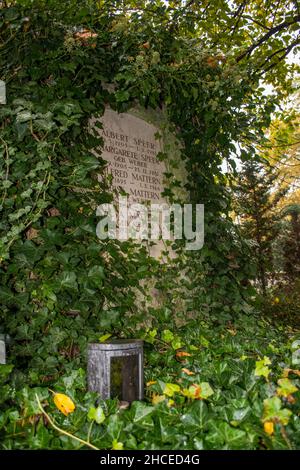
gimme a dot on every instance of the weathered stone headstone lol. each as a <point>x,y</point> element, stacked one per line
<point>2,352</point>
<point>2,92</point>
<point>132,144</point>
<point>131,147</point>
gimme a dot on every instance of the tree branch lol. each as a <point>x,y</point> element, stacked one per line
<point>266,36</point>
<point>287,51</point>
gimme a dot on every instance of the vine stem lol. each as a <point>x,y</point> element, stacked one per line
<point>62,431</point>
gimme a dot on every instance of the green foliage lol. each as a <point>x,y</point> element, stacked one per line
<point>61,288</point>
<point>255,204</point>
<point>229,413</point>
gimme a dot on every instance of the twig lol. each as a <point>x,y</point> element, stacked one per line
<point>265,37</point>
<point>62,431</point>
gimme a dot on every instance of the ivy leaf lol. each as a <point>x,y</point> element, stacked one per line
<point>204,342</point>
<point>156,399</point>
<point>140,411</point>
<point>261,367</point>
<point>96,274</point>
<point>115,426</point>
<point>222,434</point>
<point>96,414</point>
<point>122,96</point>
<point>206,390</point>
<point>170,389</point>
<point>167,336</point>
<point>274,412</point>
<point>103,338</point>
<point>117,445</point>
<point>24,116</point>
<point>68,280</point>
<point>286,387</point>
<point>196,417</point>
<point>176,343</point>
<point>200,391</point>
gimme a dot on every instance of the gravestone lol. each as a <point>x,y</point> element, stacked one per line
<point>2,351</point>
<point>132,144</point>
<point>131,147</point>
<point>2,92</point>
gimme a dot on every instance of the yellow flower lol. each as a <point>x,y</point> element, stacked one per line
<point>276,300</point>
<point>63,403</point>
<point>269,427</point>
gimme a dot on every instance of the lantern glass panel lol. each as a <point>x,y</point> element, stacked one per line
<point>124,379</point>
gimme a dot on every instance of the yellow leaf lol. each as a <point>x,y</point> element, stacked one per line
<point>103,338</point>
<point>194,391</point>
<point>232,331</point>
<point>151,382</point>
<point>117,445</point>
<point>156,399</point>
<point>292,371</point>
<point>63,403</point>
<point>243,357</point>
<point>170,389</point>
<point>286,387</point>
<point>269,427</point>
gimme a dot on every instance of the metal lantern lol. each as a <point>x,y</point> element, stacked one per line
<point>115,369</point>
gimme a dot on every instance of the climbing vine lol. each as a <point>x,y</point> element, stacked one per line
<point>60,287</point>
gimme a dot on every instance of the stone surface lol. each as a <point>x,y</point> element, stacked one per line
<point>131,148</point>
<point>2,352</point>
<point>2,92</point>
<point>132,142</point>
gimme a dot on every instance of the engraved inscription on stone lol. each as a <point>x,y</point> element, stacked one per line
<point>131,149</point>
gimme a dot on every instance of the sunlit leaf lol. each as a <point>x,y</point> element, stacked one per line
<point>96,414</point>
<point>63,403</point>
<point>170,389</point>
<point>117,445</point>
<point>103,338</point>
<point>273,411</point>
<point>269,427</point>
<point>286,387</point>
<point>156,399</point>
<point>261,367</point>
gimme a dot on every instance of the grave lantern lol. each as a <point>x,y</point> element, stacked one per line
<point>115,369</point>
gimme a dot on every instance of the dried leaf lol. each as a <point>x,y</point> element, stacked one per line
<point>183,354</point>
<point>156,399</point>
<point>63,403</point>
<point>187,371</point>
<point>32,233</point>
<point>151,382</point>
<point>269,427</point>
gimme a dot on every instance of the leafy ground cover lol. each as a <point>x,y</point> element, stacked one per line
<point>208,386</point>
